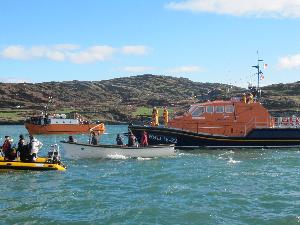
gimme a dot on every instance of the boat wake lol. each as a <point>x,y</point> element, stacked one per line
<point>141,158</point>
<point>232,161</point>
<point>116,156</point>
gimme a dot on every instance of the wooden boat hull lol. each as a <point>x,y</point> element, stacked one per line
<point>40,164</point>
<point>258,138</point>
<point>63,128</point>
<point>81,151</point>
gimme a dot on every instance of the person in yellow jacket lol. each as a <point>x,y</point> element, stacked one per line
<point>251,98</point>
<point>154,121</point>
<point>166,116</point>
<point>244,98</point>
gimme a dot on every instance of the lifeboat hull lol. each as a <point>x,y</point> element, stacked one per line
<point>257,138</point>
<point>86,151</point>
<point>64,128</point>
<point>40,164</point>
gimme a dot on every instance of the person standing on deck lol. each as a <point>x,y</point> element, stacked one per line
<point>251,98</point>
<point>72,140</point>
<point>132,140</point>
<point>166,117</point>
<point>119,140</point>
<point>154,121</point>
<point>94,140</point>
<point>7,147</point>
<point>22,148</point>
<point>35,146</point>
<point>244,98</point>
<point>144,139</point>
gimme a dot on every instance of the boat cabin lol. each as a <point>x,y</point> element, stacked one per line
<point>228,118</point>
<point>51,119</point>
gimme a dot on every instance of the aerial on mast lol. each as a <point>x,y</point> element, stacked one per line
<point>258,74</point>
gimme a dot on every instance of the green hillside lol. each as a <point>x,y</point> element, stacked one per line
<point>122,99</point>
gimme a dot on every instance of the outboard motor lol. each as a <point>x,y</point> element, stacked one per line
<point>54,154</point>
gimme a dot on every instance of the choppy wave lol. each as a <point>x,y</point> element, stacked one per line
<point>204,187</point>
<point>232,161</point>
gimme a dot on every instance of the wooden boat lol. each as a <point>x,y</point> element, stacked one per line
<point>59,124</point>
<point>236,123</point>
<point>81,151</point>
<point>40,164</point>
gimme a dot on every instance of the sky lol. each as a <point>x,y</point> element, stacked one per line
<point>203,40</point>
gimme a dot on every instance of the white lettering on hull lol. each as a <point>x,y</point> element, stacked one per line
<point>163,139</point>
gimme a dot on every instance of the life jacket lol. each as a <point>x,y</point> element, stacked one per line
<point>297,121</point>
<point>285,121</point>
<point>119,140</point>
<point>291,121</point>
<point>6,145</point>
<point>144,140</point>
<point>35,146</point>
<point>132,140</point>
<point>94,140</point>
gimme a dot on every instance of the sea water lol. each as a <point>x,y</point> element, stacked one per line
<point>196,187</point>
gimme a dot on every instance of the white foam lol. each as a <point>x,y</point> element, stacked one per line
<point>116,156</point>
<point>232,161</point>
<point>141,158</point>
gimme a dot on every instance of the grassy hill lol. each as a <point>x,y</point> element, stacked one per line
<point>121,99</point>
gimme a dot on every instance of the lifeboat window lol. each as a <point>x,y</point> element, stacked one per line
<point>198,111</point>
<point>219,109</point>
<point>209,109</point>
<point>192,108</point>
<point>229,109</point>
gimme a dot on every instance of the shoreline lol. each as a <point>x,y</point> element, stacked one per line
<point>11,122</point>
<point>22,123</point>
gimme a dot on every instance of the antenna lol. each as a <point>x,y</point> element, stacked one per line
<point>258,73</point>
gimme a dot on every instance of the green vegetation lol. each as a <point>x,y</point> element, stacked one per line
<point>65,110</point>
<point>122,99</point>
<point>143,110</point>
<point>13,115</point>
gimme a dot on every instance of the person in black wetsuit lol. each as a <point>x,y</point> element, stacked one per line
<point>119,140</point>
<point>22,149</point>
<point>94,140</point>
<point>132,140</point>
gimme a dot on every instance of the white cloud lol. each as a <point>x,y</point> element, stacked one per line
<point>137,69</point>
<point>258,8</point>
<point>135,50</point>
<point>186,69</point>
<point>93,54</point>
<point>15,52</point>
<point>290,62</point>
<point>36,52</point>
<point>69,52</point>
<point>55,55</point>
<point>66,47</point>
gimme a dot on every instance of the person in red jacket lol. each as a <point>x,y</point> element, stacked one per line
<point>6,147</point>
<point>144,139</point>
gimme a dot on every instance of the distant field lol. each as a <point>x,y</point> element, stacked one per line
<point>12,115</point>
<point>65,110</point>
<point>148,111</point>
